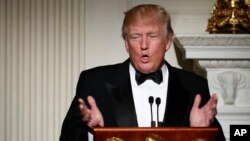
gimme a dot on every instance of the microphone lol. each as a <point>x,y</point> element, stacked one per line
<point>151,101</point>
<point>158,102</point>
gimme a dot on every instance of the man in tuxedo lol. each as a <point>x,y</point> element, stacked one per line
<point>122,95</point>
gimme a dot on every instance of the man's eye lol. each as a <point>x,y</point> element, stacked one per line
<point>134,36</point>
<point>153,35</point>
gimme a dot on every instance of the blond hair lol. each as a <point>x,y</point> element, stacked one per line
<point>146,14</point>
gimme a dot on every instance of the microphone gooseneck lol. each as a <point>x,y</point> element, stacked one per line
<point>151,101</point>
<point>158,102</point>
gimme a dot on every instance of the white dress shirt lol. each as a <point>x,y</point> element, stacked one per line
<point>142,92</point>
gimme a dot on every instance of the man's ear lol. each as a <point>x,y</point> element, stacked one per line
<point>169,43</point>
<point>126,44</point>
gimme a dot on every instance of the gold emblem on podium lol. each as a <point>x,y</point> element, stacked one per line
<point>153,137</point>
<point>114,139</point>
<point>199,139</point>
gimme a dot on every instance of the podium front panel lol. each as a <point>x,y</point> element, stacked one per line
<point>155,134</point>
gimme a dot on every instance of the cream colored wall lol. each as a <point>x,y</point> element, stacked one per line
<point>45,44</point>
<point>104,44</point>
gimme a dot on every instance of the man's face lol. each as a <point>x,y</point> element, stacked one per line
<point>146,45</point>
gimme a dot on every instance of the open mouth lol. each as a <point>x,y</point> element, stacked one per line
<point>145,58</point>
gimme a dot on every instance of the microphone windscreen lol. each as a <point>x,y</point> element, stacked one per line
<point>151,99</point>
<point>158,100</point>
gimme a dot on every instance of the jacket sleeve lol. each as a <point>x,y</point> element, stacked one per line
<point>73,128</point>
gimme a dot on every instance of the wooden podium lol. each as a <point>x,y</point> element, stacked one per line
<point>155,134</point>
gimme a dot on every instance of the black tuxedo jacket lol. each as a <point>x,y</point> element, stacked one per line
<point>111,88</point>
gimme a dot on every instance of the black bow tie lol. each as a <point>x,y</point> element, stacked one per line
<point>155,76</point>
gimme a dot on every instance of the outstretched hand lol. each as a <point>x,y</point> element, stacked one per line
<point>92,116</point>
<point>204,116</point>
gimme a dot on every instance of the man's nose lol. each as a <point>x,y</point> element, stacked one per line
<point>144,43</point>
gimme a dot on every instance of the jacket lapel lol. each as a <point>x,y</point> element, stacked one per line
<point>120,95</point>
<point>177,113</point>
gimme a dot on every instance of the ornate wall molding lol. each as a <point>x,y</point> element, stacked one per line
<point>225,60</point>
<point>230,82</point>
<point>222,40</point>
<point>223,64</point>
<point>214,47</point>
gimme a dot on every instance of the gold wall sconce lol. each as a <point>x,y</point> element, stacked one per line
<point>230,16</point>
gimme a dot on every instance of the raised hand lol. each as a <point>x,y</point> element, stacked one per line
<point>92,116</point>
<point>204,116</point>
